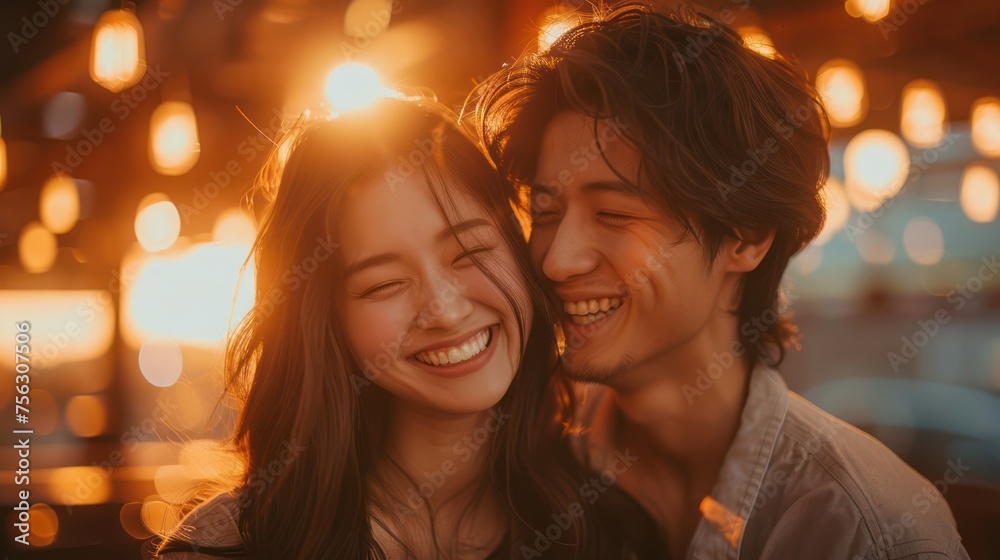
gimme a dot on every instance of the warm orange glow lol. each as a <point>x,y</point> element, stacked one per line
<point>187,294</point>
<point>45,414</point>
<point>37,248</point>
<point>758,41</point>
<point>923,114</point>
<point>159,516</point>
<point>727,522</point>
<point>838,210</point>
<point>211,459</point>
<point>74,324</point>
<point>86,415</point>
<point>871,10</point>
<point>233,226</point>
<point>131,520</point>
<point>117,57</point>
<point>60,204</point>
<point>354,85</point>
<point>173,138</point>
<point>875,248</point>
<point>985,126</point>
<point>3,163</point>
<point>555,23</point>
<point>842,86</point>
<point>161,362</point>
<point>980,196</point>
<point>80,485</point>
<point>367,18</point>
<point>923,241</point>
<point>44,524</point>
<point>157,223</point>
<point>876,163</point>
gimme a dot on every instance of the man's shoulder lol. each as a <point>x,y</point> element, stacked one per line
<point>827,465</point>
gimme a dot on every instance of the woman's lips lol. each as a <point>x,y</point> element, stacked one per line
<point>464,366</point>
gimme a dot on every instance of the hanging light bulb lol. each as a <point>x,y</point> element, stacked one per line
<point>980,195</point>
<point>60,204</point>
<point>923,114</point>
<point>871,10</point>
<point>986,126</point>
<point>157,223</point>
<point>37,248</point>
<point>842,86</point>
<point>118,55</point>
<point>173,138</point>
<point>876,164</point>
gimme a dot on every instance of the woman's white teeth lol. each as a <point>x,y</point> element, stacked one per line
<point>586,308</point>
<point>454,354</point>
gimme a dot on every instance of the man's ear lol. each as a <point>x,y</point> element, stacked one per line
<point>747,248</point>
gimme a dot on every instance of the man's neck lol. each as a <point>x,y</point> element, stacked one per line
<point>684,406</point>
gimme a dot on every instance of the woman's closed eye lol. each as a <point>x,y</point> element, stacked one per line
<point>382,290</point>
<point>614,218</point>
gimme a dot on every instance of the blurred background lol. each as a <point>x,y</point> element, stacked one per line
<point>130,133</point>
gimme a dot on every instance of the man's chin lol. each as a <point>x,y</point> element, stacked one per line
<point>580,368</point>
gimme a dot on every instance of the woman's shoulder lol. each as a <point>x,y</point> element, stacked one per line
<point>210,530</point>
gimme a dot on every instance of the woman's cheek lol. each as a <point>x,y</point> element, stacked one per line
<point>372,328</point>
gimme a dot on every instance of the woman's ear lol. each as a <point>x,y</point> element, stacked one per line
<point>746,248</point>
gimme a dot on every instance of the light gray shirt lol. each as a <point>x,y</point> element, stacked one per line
<point>800,483</point>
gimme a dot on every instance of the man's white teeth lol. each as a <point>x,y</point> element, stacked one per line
<point>454,354</point>
<point>591,306</point>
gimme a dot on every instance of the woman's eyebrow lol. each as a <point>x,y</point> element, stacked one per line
<point>462,227</point>
<point>387,258</point>
<point>368,262</point>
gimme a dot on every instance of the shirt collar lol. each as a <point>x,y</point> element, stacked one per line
<point>725,511</point>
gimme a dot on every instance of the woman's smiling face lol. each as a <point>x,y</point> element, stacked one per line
<point>423,320</point>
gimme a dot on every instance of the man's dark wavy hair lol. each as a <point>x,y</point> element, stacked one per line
<point>728,138</point>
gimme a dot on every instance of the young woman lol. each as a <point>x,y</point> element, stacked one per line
<point>396,372</point>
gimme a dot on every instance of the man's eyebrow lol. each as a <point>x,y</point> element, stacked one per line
<point>387,258</point>
<point>620,187</point>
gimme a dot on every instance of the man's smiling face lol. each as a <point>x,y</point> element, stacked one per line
<point>630,289</point>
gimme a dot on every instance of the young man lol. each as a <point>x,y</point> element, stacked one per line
<point>673,172</point>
